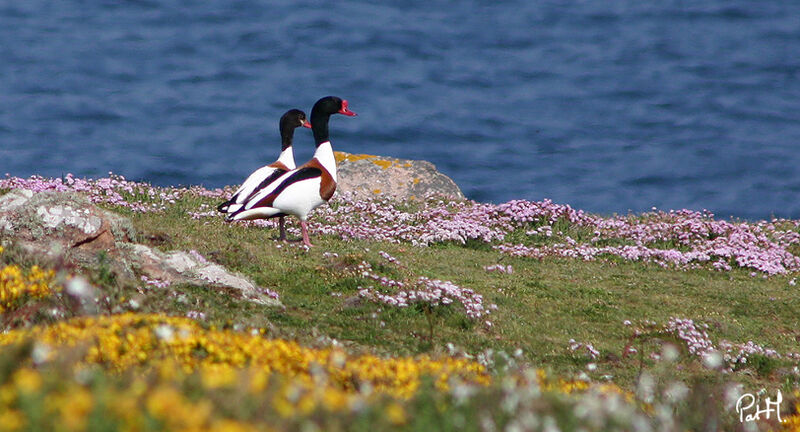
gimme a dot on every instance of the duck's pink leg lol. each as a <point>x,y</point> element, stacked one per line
<point>304,229</point>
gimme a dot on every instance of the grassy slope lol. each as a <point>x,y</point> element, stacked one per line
<point>541,306</point>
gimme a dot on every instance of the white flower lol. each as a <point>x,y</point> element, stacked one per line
<point>165,332</point>
<point>79,287</point>
<point>712,360</point>
<point>670,353</point>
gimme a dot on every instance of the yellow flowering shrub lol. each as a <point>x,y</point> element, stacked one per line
<point>64,404</point>
<point>165,358</point>
<point>792,422</point>
<point>120,342</point>
<point>136,372</point>
<point>17,285</point>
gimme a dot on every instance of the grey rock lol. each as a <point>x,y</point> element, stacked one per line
<point>399,178</point>
<point>185,267</point>
<point>60,223</point>
<point>66,227</point>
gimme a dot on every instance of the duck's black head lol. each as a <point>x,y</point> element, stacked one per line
<point>321,113</point>
<point>331,105</point>
<point>292,119</point>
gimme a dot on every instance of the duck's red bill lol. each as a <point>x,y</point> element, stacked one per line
<point>307,124</point>
<point>346,111</point>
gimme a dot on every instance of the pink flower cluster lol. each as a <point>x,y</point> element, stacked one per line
<point>155,282</point>
<point>269,293</point>
<point>499,268</point>
<point>698,343</point>
<point>387,257</point>
<point>681,238</point>
<point>738,353</point>
<point>422,290</point>
<point>205,211</point>
<point>587,348</point>
<point>196,315</point>
<point>199,257</point>
<point>381,219</point>
<point>114,190</point>
<point>696,339</point>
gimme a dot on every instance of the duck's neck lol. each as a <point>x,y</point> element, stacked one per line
<point>287,136</point>
<point>319,126</point>
<point>324,154</point>
<point>287,158</point>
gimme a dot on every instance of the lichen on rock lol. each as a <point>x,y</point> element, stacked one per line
<point>370,175</point>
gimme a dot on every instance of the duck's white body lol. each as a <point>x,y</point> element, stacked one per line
<point>255,181</point>
<point>297,192</point>
<point>301,190</point>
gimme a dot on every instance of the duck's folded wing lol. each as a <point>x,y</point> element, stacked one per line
<point>257,181</point>
<point>267,196</point>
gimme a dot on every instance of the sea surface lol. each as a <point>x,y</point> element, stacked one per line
<point>608,106</point>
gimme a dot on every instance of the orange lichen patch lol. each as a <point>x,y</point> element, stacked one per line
<point>416,180</point>
<point>376,191</point>
<point>342,157</point>
<point>383,163</point>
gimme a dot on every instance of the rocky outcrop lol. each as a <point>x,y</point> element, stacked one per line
<point>54,224</point>
<point>66,227</point>
<point>367,175</point>
<point>191,267</point>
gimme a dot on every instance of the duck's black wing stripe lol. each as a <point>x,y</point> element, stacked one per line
<point>264,183</point>
<point>272,177</point>
<point>223,208</point>
<point>299,175</point>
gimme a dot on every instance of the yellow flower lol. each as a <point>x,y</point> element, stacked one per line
<point>76,408</point>
<point>11,420</point>
<point>334,400</point>
<point>216,376</point>
<point>16,285</point>
<point>396,414</point>
<point>27,380</point>
<point>231,426</point>
<point>164,401</point>
<point>258,381</point>
<point>282,406</point>
<point>8,395</point>
<point>169,406</point>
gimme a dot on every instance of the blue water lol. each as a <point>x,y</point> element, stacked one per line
<point>609,106</point>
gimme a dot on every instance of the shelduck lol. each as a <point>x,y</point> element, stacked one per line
<point>267,174</point>
<point>301,190</point>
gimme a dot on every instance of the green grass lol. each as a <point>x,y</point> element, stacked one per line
<point>541,306</point>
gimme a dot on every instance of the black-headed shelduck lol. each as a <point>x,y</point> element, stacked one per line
<point>267,174</point>
<point>301,190</point>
